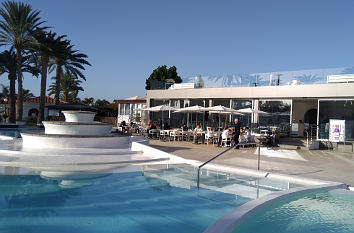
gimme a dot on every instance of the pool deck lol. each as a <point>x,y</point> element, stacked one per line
<point>329,165</point>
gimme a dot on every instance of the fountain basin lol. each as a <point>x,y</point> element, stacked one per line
<point>40,140</point>
<point>73,128</point>
<point>79,116</point>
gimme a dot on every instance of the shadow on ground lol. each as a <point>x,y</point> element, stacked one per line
<point>169,148</point>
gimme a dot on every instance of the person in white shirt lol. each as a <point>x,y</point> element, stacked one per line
<point>197,133</point>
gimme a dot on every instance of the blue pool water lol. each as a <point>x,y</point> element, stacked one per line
<point>121,202</point>
<point>15,133</point>
<point>323,212</point>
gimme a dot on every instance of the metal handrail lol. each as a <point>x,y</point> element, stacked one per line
<point>200,166</point>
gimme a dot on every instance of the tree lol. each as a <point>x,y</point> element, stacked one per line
<point>69,87</point>
<point>72,61</point>
<point>88,101</point>
<point>161,74</point>
<point>8,65</point>
<point>27,94</point>
<point>18,19</point>
<point>100,103</point>
<point>44,44</point>
<point>5,92</point>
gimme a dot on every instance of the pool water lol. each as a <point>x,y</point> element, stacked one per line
<point>15,133</point>
<point>322,212</point>
<point>139,201</point>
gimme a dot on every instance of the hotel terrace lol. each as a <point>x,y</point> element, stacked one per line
<point>294,100</point>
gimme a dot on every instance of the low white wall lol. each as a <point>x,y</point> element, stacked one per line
<point>42,142</point>
<point>94,129</point>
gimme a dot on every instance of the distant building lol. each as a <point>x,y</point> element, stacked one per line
<point>30,106</point>
<point>129,108</point>
<point>294,100</point>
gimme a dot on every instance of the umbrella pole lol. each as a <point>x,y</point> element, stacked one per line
<point>203,120</point>
<point>219,120</point>
<point>196,119</point>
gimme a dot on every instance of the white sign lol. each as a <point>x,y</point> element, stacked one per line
<point>336,130</point>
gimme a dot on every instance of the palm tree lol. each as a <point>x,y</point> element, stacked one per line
<point>69,59</point>
<point>8,65</point>
<point>27,94</point>
<point>88,101</point>
<point>44,44</point>
<point>18,19</point>
<point>5,92</point>
<point>69,87</point>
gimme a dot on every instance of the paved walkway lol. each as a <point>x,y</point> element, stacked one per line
<point>286,159</point>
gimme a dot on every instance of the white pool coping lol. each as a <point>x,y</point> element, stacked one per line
<point>233,219</point>
<point>229,222</point>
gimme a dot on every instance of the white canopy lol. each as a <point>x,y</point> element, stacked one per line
<point>250,111</point>
<point>195,108</point>
<point>160,108</point>
<point>223,110</point>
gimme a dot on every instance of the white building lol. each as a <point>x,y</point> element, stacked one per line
<point>128,109</point>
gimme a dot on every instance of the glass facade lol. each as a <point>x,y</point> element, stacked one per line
<point>278,116</point>
<point>339,110</point>
<point>245,119</point>
<point>124,109</point>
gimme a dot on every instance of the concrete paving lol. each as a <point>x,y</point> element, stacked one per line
<point>290,158</point>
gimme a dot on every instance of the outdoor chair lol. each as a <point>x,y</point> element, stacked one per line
<point>164,134</point>
<point>226,141</point>
<point>175,134</point>
<point>190,136</point>
<point>153,133</point>
<point>209,137</point>
<point>185,136</point>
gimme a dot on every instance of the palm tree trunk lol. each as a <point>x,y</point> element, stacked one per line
<point>57,84</point>
<point>12,98</point>
<point>45,60</point>
<point>66,95</point>
<point>19,109</point>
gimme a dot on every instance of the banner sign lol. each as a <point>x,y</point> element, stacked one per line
<point>336,130</point>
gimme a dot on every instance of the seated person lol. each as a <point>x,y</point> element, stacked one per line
<point>166,126</point>
<point>247,134</point>
<point>197,133</point>
<point>210,131</point>
<point>184,128</point>
<point>225,134</point>
<point>154,125</point>
<point>124,126</point>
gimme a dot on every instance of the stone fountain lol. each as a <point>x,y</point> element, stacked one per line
<point>77,131</point>
<point>73,151</point>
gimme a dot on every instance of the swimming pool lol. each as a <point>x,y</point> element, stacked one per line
<point>325,211</point>
<point>152,199</point>
<point>11,132</point>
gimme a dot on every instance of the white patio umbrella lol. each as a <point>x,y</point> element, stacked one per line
<point>219,109</point>
<point>160,108</point>
<point>193,109</point>
<point>251,111</point>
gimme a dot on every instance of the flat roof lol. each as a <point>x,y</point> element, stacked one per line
<point>335,90</point>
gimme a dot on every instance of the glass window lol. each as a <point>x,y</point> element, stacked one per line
<point>245,119</point>
<point>121,109</point>
<point>127,109</point>
<point>278,116</point>
<point>339,110</point>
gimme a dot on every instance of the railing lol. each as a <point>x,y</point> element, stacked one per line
<point>218,155</point>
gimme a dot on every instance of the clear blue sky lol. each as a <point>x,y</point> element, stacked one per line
<point>126,40</point>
